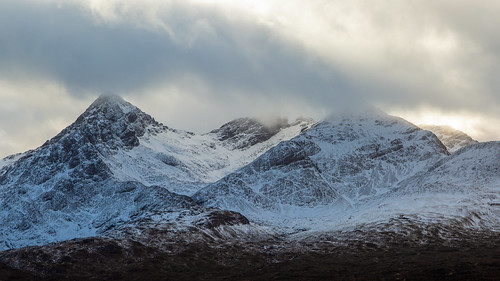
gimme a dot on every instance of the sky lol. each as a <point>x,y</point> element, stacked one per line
<point>196,64</point>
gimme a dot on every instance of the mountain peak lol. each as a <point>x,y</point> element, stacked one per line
<point>113,122</point>
<point>245,132</point>
<point>108,98</point>
<point>109,104</point>
<point>113,108</point>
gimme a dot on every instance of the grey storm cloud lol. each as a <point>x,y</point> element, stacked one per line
<point>185,60</point>
<point>65,43</point>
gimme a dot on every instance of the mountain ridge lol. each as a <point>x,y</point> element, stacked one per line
<point>116,168</point>
<point>342,159</point>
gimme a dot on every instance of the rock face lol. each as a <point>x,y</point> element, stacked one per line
<point>451,138</point>
<point>245,132</point>
<point>79,151</point>
<point>345,159</point>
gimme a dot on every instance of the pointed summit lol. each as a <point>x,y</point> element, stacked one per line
<point>68,187</point>
<point>110,122</point>
<point>109,97</point>
<point>109,100</point>
<point>109,104</point>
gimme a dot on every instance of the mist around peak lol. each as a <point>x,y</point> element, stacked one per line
<point>273,122</point>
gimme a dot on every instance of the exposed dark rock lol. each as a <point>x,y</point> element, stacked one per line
<point>218,218</point>
<point>244,132</point>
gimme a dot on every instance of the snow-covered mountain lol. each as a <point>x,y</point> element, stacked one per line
<point>114,166</point>
<point>369,171</point>
<point>346,159</point>
<point>453,139</point>
<point>65,189</point>
<point>461,190</point>
<point>135,147</point>
<point>369,178</point>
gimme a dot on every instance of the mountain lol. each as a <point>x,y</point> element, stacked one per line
<point>111,191</point>
<point>245,132</point>
<point>342,161</point>
<point>453,139</point>
<point>64,189</point>
<point>114,167</point>
<point>366,172</point>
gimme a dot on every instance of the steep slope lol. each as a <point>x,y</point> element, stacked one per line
<point>184,162</point>
<point>64,189</point>
<point>453,139</point>
<point>10,159</point>
<point>343,160</point>
<point>458,194</point>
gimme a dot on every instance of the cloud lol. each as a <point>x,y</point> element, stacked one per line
<point>119,53</point>
<point>39,113</point>
<point>194,64</point>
